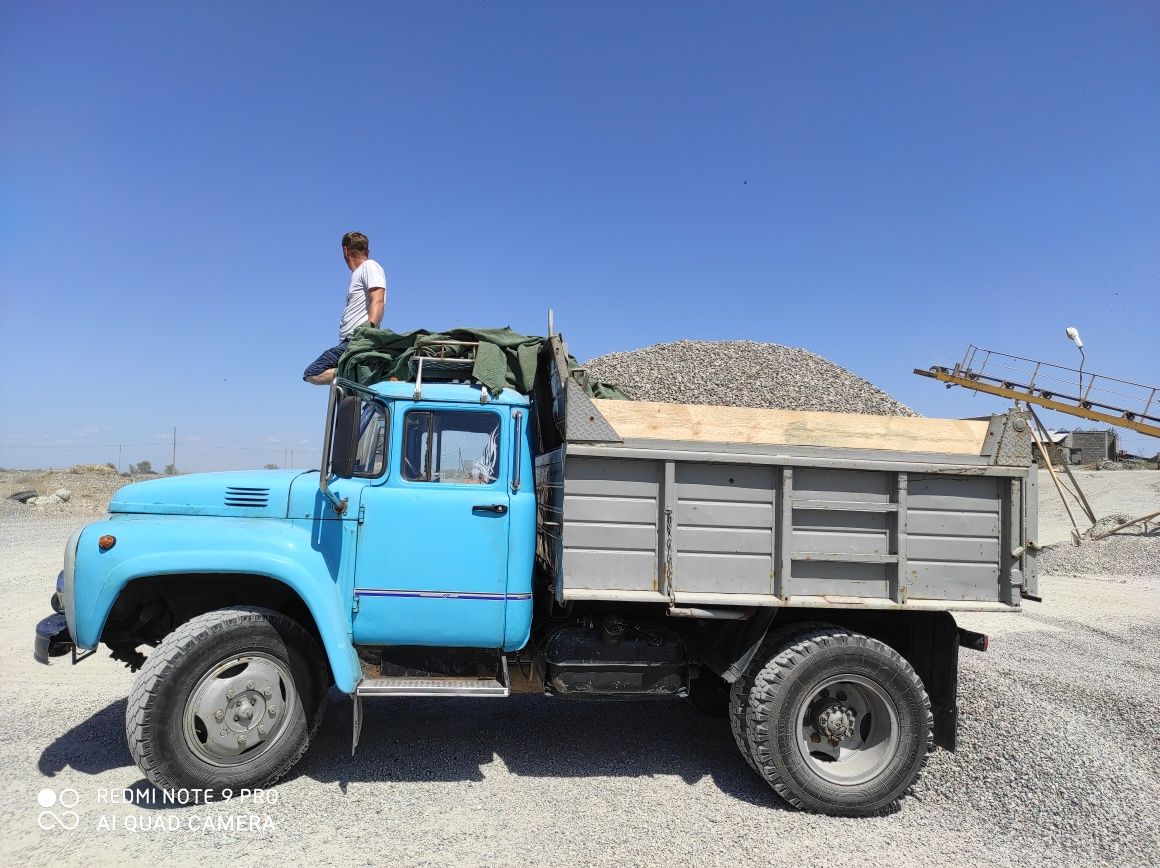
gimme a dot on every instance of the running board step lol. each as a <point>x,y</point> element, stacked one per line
<point>479,687</point>
<point>431,687</point>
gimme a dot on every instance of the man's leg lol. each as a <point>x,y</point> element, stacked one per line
<point>323,379</point>
<point>321,371</point>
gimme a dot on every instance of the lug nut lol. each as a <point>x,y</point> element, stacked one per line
<point>250,685</point>
<point>230,693</point>
<point>267,691</point>
<point>261,729</point>
<point>219,715</point>
<point>273,711</point>
<point>223,732</point>
<point>815,738</point>
<point>241,741</point>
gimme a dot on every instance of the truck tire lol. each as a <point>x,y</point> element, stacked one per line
<point>839,723</point>
<point>229,700</point>
<point>739,690</point>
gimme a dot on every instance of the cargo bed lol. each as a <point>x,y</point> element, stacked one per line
<point>640,502</point>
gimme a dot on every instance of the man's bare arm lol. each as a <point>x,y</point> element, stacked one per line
<point>378,304</point>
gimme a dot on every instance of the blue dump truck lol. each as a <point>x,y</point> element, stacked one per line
<point>796,572</point>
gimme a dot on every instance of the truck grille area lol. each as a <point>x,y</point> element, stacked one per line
<point>247,497</point>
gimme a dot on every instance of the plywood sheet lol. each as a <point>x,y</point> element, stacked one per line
<point>699,423</point>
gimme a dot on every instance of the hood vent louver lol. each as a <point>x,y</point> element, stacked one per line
<point>254,498</point>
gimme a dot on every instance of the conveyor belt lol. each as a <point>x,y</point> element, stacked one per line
<point>1024,380</point>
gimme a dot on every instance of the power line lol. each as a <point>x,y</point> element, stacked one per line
<point>148,445</point>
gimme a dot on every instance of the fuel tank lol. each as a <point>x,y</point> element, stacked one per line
<point>612,658</point>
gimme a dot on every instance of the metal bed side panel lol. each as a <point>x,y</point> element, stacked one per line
<point>611,538</point>
<point>954,531</point>
<point>662,528</point>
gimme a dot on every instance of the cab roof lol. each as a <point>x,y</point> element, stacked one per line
<point>460,393</point>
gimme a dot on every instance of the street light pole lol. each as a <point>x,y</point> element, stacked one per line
<point>1073,335</point>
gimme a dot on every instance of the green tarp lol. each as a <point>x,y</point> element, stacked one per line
<point>503,360</point>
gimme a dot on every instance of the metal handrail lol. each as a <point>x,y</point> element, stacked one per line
<point>327,437</point>
<point>973,349</point>
<point>1091,384</point>
<point>519,417</point>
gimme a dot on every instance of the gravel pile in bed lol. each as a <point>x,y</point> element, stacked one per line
<point>1131,552</point>
<point>742,374</point>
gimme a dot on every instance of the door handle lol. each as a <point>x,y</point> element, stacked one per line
<point>497,508</point>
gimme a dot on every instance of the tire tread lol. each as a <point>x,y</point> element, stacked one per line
<point>141,703</point>
<point>778,669</point>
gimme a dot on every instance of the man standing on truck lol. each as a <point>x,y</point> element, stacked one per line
<point>366,299</point>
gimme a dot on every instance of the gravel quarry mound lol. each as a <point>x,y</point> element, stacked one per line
<point>1130,552</point>
<point>743,374</point>
<point>89,486</point>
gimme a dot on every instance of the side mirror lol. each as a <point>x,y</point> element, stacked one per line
<point>344,452</point>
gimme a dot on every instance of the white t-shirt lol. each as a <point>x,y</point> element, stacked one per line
<point>358,296</point>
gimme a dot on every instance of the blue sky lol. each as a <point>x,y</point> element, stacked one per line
<point>881,183</point>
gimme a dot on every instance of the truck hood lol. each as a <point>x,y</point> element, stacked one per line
<point>249,493</point>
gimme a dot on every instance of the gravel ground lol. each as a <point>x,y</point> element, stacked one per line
<point>1059,762</point>
<point>743,374</point>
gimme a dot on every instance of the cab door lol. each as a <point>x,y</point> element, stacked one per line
<point>432,559</point>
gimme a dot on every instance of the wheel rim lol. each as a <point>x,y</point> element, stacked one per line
<point>239,709</point>
<point>847,729</point>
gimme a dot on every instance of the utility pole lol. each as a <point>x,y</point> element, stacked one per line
<point>173,463</point>
<point>291,459</point>
<point>118,457</point>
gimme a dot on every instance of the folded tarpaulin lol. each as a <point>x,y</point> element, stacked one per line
<point>503,359</point>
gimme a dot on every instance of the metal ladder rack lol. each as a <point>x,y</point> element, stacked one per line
<point>437,357</point>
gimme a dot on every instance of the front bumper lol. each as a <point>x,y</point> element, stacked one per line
<point>52,639</point>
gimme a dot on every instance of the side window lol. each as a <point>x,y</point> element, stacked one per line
<point>371,457</point>
<point>451,446</point>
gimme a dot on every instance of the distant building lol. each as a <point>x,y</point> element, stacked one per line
<point>1084,447</point>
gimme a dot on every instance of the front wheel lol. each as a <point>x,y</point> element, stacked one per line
<point>229,700</point>
<point>838,723</point>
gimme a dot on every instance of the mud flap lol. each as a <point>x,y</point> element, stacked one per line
<point>934,654</point>
<point>358,718</point>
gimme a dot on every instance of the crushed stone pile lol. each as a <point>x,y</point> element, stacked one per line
<point>1130,552</point>
<point>742,374</point>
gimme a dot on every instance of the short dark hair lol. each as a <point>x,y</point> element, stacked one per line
<point>356,242</point>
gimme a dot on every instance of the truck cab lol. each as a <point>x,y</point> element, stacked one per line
<point>440,500</point>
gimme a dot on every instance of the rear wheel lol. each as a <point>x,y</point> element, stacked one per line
<point>838,723</point>
<point>229,700</point>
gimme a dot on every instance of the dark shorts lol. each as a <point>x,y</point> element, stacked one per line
<point>328,359</point>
